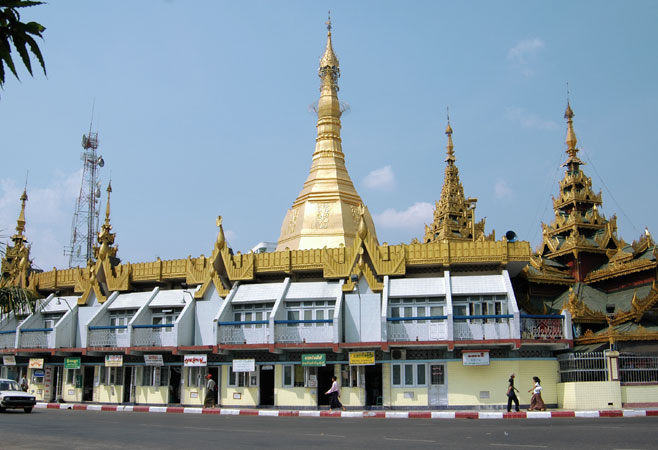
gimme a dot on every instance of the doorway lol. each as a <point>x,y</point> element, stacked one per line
<point>324,384</point>
<point>56,393</point>
<point>127,384</point>
<point>174,385</point>
<point>88,384</point>
<point>374,391</point>
<point>438,391</point>
<point>267,385</point>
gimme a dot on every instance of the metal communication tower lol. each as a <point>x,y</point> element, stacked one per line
<point>85,218</point>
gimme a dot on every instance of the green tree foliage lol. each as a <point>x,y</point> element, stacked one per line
<point>20,35</point>
<point>17,300</point>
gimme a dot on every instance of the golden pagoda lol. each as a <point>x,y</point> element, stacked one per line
<point>326,212</point>
<point>454,214</point>
<point>16,262</point>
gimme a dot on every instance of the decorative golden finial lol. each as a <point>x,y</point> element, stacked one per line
<point>107,206</point>
<point>329,71</point>
<point>328,22</point>
<point>450,159</point>
<point>221,240</point>
<point>105,236</point>
<point>363,229</point>
<point>20,223</point>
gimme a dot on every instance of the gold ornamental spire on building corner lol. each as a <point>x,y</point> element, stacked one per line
<point>20,223</point>
<point>571,140</point>
<point>325,213</point>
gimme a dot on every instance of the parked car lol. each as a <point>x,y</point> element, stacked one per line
<point>12,396</point>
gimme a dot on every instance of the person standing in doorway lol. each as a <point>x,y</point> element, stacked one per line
<point>511,395</point>
<point>536,402</point>
<point>335,394</point>
<point>24,385</point>
<point>211,390</point>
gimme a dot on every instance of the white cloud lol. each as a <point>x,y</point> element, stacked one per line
<point>380,179</point>
<point>48,216</point>
<point>528,120</point>
<point>523,52</point>
<point>413,218</point>
<point>501,189</point>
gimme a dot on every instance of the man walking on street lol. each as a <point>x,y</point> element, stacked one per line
<point>211,390</point>
<point>511,395</point>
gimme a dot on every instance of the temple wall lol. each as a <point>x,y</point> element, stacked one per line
<point>639,395</point>
<point>589,395</point>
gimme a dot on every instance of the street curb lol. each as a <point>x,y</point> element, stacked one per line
<point>358,414</point>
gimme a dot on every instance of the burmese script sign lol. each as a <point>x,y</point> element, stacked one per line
<point>71,363</point>
<point>195,360</point>
<point>9,360</point>
<point>362,358</point>
<point>36,363</point>
<point>113,360</point>
<point>475,358</point>
<point>244,365</point>
<point>153,360</point>
<point>314,359</point>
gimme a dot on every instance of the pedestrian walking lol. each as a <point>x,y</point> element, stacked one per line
<point>511,395</point>
<point>335,395</point>
<point>536,402</point>
<point>24,385</point>
<point>211,391</point>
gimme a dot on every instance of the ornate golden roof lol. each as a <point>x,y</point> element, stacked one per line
<point>454,214</point>
<point>326,212</point>
<point>16,262</point>
<point>577,225</point>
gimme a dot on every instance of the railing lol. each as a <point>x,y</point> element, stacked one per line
<point>36,338</point>
<point>109,336</point>
<point>542,326</point>
<point>247,332</point>
<point>582,367</point>
<point>162,335</point>
<point>7,339</point>
<point>430,328</point>
<point>635,368</point>
<point>482,327</point>
<point>304,331</point>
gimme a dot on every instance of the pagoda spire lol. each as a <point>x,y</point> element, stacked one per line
<point>105,236</point>
<point>20,223</point>
<point>573,161</point>
<point>454,214</point>
<point>326,211</point>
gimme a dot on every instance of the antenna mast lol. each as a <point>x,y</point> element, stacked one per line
<point>84,228</point>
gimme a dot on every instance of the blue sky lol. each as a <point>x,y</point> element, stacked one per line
<point>202,109</point>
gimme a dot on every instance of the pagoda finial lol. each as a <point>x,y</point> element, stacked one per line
<point>450,159</point>
<point>329,66</point>
<point>105,236</point>
<point>107,206</point>
<point>571,141</point>
<point>20,223</point>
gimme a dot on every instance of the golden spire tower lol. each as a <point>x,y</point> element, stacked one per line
<point>326,212</point>
<point>454,214</point>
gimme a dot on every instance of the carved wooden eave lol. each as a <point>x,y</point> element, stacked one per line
<point>639,306</point>
<point>88,281</point>
<point>620,270</point>
<point>117,277</point>
<point>641,334</point>
<point>580,312</point>
<point>548,275</point>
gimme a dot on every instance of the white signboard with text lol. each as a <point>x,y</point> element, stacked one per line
<point>244,365</point>
<point>475,357</point>
<point>195,360</point>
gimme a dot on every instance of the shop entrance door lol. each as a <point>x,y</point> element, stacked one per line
<point>438,391</point>
<point>267,385</point>
<point>174,385</point>
<point>324,383</point>
<point>127,385</point>
<point>88,384</point>
<point>374,391</point>
<point>57,384</point>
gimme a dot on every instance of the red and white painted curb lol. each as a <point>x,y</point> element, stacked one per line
<point>358,414</point>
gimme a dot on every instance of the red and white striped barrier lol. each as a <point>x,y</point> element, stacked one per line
<point>358,414</point>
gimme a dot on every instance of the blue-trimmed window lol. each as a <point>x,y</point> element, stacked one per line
<point>255,312</point>
<point>416,307</point>
<point>316,313</point>
<point>480,305</point>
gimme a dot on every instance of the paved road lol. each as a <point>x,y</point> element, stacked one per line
<point>68,429</point>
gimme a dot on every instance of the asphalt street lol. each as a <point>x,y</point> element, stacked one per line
<point>68,429</point>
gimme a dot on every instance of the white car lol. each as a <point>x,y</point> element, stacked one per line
<point>12,396</point>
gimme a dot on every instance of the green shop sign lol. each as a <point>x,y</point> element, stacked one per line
<point>71,363</point>
<point>314,359</point>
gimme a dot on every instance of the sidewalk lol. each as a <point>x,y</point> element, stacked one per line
<point>358,414</point>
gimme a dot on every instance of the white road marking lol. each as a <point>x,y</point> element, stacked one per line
<point>519,445</point>
<point>325,435</point>
<point>408,440</point>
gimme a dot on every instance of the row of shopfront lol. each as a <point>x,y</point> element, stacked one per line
<point>368,379</point>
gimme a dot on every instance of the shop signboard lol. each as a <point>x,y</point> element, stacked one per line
<point>244,365</point>
<point>362,358</point>
<point>36,363</point>
<point>314,359</point>
<point>195,360</point>
<point>113,360</point>
<point>71,363</point>
<point>9,360</point>
<point>153,360</point>
<point>475,357</point>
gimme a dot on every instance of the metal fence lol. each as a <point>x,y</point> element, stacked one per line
<point>638,368</point>
<point>583,367</point>
<point>633,367</point>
